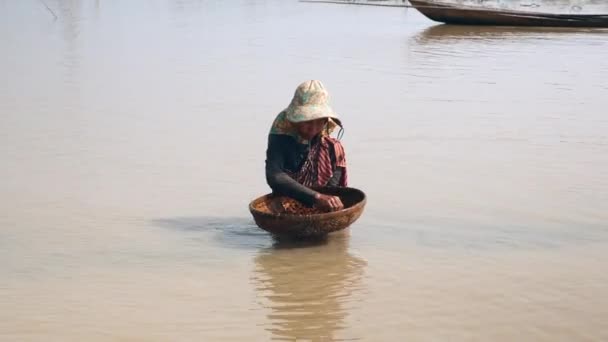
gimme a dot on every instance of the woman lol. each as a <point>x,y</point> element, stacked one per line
<point>301,156</point>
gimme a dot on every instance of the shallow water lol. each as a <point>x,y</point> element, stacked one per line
<point>132,138</point>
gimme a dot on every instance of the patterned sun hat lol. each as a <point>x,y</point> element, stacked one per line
<point>310,102</point>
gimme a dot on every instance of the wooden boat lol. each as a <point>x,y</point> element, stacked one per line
<point>548,13</point>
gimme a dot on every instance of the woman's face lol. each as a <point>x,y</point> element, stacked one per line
<point>309,129</point>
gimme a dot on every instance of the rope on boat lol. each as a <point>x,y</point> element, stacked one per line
<point>357,3</point>
<point>407,5</point>
<point>344,2</point>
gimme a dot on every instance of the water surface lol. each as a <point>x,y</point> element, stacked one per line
<point>132,138</point>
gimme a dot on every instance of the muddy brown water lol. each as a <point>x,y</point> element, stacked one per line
<point>132,138</point>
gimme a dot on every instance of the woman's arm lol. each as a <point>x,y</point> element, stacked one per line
<point>276,177</point>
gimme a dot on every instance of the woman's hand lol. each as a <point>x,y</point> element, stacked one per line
<point>327,202</point>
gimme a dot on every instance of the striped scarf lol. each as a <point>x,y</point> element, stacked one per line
<point>317,169</point>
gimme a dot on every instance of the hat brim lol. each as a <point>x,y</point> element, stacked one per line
<point>297,114</point>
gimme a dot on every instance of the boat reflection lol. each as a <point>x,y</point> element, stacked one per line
<point>450,33</point>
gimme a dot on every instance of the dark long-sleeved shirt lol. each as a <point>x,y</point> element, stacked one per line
<point>285,153</point>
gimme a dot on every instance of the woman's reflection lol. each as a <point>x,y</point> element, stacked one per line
<point>308,288</point>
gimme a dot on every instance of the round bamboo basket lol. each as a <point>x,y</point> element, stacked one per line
<point>284,216</point>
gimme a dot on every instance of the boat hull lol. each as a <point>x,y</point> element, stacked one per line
<point>454,13</point>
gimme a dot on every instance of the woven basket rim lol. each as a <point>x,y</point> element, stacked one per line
<point>330,214</point>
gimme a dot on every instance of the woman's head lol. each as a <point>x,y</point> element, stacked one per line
<point>308,114</point>
<point>309,129</point>
<point>310,102</point>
